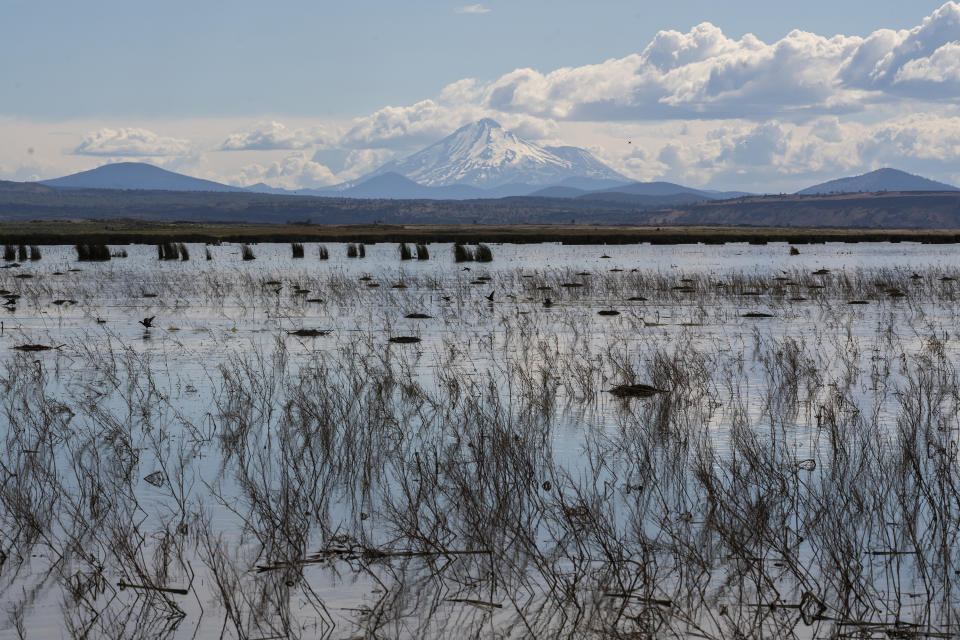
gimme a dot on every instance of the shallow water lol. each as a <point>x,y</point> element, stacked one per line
<point>271,447</point>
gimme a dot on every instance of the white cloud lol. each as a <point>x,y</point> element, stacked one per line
<point>131,142</point>
<point>705,74</point>
<point>296,171</point>
<point>272,135</point>
<point>406,127</point>
<point>472,8</point>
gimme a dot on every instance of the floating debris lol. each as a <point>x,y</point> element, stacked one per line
<point>858,302</point>
<point>608,312</point>
<point>636,299</point>
<point>635,391</point>
<point>821,272</point>
<point>757,314</point>
<point>156,479</point>
<point>418,316</point>
<point>404,339</point>
<point>317,300</point>
<point>34,347</point>
<point>571,285</point>
<point>309,333</point>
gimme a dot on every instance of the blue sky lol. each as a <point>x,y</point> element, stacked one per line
<point>326,91</point>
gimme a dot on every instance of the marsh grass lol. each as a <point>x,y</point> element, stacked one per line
<point>793,476</point>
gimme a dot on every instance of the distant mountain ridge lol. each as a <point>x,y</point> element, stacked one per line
<point>885,179</point>
<point>392,185</point>
<point>135,175</point>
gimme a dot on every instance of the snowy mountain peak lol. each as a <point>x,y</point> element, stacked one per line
<point>484,154</point>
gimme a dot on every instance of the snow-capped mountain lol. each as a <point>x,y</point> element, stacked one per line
<point>484,154</point>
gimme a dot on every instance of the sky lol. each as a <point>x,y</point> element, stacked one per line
<point>737,95</point>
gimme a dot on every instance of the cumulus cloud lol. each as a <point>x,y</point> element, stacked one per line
<point>272,136</point>
<point>406,129</point>
<point>775,155</point>
<point>473,8</point>
<point>131,142</point>
<point>705,74</point>
<point>296,171</point>
<point>403,127</point>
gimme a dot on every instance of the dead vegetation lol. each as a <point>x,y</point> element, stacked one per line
<point>675,472</point>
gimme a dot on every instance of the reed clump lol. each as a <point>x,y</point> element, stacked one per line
<point>173,251</point>
<point>92,252</point>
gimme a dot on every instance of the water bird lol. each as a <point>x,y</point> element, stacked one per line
<point>490,297</point>
<point>547,302</point>
<point>147,322</point>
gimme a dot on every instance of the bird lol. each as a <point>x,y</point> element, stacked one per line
<point>446,298</point>
<point>490,297</point>
<point>548,302</point>
<point>147,322</point>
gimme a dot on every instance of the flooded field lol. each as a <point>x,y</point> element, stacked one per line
<point>632,441</point>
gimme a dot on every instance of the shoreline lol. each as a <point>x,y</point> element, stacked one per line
<point>140,232</point>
